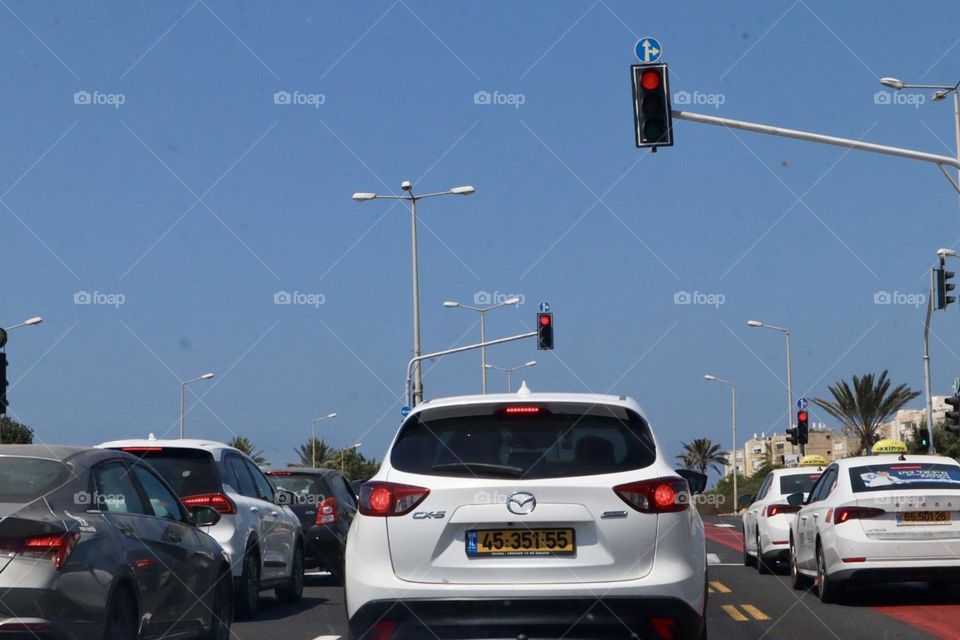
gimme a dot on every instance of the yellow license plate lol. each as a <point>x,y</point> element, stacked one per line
<point>924,517</point>
<point>520,542</point>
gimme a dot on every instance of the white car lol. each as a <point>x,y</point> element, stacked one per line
<point>766,522</point>
<point>878,518</point>
<point>541,515</point>
<point>262,539</point>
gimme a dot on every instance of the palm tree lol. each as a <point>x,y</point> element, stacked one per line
<point>245,445</point>
<point>306,452</point>
<point>863,407</point>
<point>702,454</point>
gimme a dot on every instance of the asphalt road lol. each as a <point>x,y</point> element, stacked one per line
<point>743,605</point>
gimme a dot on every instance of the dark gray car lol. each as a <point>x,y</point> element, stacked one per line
<point>94,544</point>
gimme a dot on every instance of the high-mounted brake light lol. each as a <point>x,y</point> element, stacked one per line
<point>219,501</point>
<point>386,499</point>
<point>142,449</point>
<point>660,495</point>
<point>327,512</point>
<point>522,410</point>
<point>280,473</point>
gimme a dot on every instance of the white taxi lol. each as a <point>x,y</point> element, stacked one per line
<point>766,522</point>
<point>891,517</point>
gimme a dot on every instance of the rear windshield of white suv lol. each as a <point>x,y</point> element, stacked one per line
<point>797,483</point>
<point>543,440</point>
<point>905,475</point>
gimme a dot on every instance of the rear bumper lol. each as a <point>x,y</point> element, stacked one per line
<point>323,544</point>
<point>588,617</point>
<point>865,574</point>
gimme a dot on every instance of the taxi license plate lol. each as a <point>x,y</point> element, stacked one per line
<point>520,542</point>
<point>923,517</point>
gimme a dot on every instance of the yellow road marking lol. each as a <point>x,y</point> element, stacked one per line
<point>754,612</point>
<point>733,613</point>
<point>720,587</point>
<point>710,590</point>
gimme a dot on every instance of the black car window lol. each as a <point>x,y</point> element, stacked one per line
<point>798,483</point>
<point>238,477</point>
<point>301,485</point>
<point>190,472</point>
<point>263,486</point>
<point>764,488</point>
<point>163,503</point>
<point>824,485</point>
<point>26,479</point>
<point>116,491</point>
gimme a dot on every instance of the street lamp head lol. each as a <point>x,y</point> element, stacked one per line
<point>941,94</point>
<point>32,321</point>
<point>488,366</point>
<point>332,415</point>
<point>709,377</point>
<point>532,363</point>
<point>513,300</point>
<point>943,253</point>
<point>206,376</point>
<point>406,186</point>
<point>355,446</point>
<point>893,83</point>
<point>463,191</point>
<point>450,304</point>
<point>363,196</point>
<point>754,323</point>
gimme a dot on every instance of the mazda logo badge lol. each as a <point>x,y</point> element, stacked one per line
<point>521,503</point>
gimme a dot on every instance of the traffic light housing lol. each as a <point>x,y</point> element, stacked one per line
<point>652,116</point>
<point>792,435</point>
<point>545,331</point>
<point>923,437</point>
<point>944,286</point>
<point>803,427</point>
<point>3,384</point>
<point>953,416</point>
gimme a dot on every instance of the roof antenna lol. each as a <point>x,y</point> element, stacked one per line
<point>903,458</point>
<point>524,390</point>
<point>151,437</point>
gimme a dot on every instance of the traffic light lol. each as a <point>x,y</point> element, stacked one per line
<point>803,428</point>
<point>923,437</point>
<point>545,331</point>
<point>953,417</point>
<point>651,106</point>
<point>944,286</point>
<point>792,436</point>
<point>3,384</point>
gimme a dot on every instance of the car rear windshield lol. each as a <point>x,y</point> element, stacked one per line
<point>300,484</point>
<point>189,471</point>
<point>25,479</point>
<point>797,483</point>
<point>543,440</point>
<point>905,475</point>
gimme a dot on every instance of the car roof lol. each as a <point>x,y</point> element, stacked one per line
<point>525,395</point>
<point>887,458</point>
<point>60,452</point>
<point>206,445</point>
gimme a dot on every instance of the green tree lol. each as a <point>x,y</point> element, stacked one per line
<point>862,407</point>
<point>306,452</point>
<point>245,445</point>
<point>13,432</point>
<point>946,442</point>
<point>354,464</point>
<point>702,454</point>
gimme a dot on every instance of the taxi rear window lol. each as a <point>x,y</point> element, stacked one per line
<point>798,483</point>
<point>904,475</point>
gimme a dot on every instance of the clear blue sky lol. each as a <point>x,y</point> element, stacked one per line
<point>104,198</point>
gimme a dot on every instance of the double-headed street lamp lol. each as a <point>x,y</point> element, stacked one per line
<point>183,385</point>
<point>509,371</point>
<point>483,328</point>
<point>408,188</point>
<point>733,389</point>
<point>940,92</point>
<point>786,332</point>
<point>313,433</point>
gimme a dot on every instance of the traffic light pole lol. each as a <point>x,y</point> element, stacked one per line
<point>926,369</point>
<point>859,145</point>
<point>412,399</point>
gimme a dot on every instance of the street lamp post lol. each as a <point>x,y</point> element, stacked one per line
<point>940,92</point>
<point>943,254</point>
<point>733,390</point>
<point>509,371</point>
<point>183,385</point>
<point>313,433</point>
<point>483,329</point>
<point>408,188</point>
<point>343,454</point>
<point>786,332</point>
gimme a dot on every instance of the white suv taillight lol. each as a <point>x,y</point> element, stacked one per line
<point>327,512</point>
<point>660,495</point>
<point>385,499</point>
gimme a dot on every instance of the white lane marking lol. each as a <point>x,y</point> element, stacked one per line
<point>724,525</point>
<point>328,638</point>
<point>713,558</point>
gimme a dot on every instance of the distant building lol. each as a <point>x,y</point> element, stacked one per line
<point>902,426</point>
<point>775,449</point>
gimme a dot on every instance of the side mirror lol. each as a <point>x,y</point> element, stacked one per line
<point>204,516</point>
<point>795,499</point>
<point>285,497</point>
<point>696,480</point>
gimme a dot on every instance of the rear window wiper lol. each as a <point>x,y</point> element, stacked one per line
<point>515,472</point>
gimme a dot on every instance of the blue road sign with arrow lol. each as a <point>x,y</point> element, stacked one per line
<point>648,49</point>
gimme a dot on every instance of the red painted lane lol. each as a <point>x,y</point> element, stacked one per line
<point>728,537</point>
<point>939,621</point>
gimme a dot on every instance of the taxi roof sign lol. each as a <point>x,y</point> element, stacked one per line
<point>889,446</point>
<point>813,460</point>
